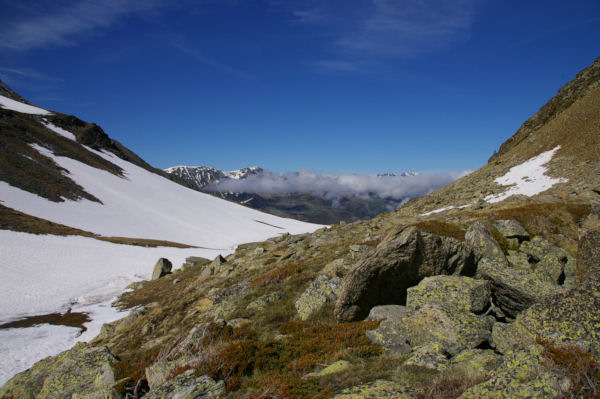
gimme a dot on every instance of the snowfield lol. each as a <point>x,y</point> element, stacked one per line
<point>145,205</point>
<point>13,105</point>
<point>44,274</point>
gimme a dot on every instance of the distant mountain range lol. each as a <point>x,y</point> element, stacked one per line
<point>308,206</point>
<point>202,176</point>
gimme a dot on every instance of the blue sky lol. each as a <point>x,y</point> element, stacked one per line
<point>362,86</point>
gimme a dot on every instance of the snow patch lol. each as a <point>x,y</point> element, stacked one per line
<point>528,178</point>
<point>59,130</point>
<point>13,105</point>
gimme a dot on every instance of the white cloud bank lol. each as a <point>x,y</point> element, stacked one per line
<point>334,186</point>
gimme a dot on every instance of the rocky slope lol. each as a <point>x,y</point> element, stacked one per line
<point>460,293</point>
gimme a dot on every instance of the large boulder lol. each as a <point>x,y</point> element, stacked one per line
<point>162,267</point>
<point>514,290</point>
<point>481,240</point>
<point>83,370</point>
<point>401,261</point>
<point>321,291</point>
<point>571,318</point>
<point>454,329</point>
<point>464,293</point>
<point>389,335</point>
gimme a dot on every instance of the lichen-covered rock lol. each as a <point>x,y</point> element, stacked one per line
<point>262,302</point>
<point>548,257</point>
<point>511,229</point>
<point>572,318</point>
<point>161,268</point>
<point>514,290</point>
<point>389,336</point>
<point>588,256</point>
<point>321,291</point>
<point>519,260</point>
<point>337,367</point>
<point>83,370</point>
<point>522,375</point>
<point>378,389</point>
<point>476,361</point>
<point>187,386</point>
<point>399,262</point>
<point>388,312</point>
<point>485,247</point>
<point>465,293</point>
<point>428,356</point>
<point>453,328</point>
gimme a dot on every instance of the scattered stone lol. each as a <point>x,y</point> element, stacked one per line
<point>337,367</point>
<point>428,356</point>
<point>162,268</point>
<point>321,291</point>
<point>187,386</point>
<point>262,302</point>
<point>511,229</point>
<point>480,239</point>
<point>400,261</point>
<point>464,293</point>
<point>513,290</point>
<point>380,389</point>
<point>454,329</point>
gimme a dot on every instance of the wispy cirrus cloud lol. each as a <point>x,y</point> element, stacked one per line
<point>385,29</point>
<point>180,43</point>
<point>44,23</point>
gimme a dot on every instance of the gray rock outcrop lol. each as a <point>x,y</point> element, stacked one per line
<point>399,262</point>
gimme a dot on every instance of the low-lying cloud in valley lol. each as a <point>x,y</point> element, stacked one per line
<point>334,186</point>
